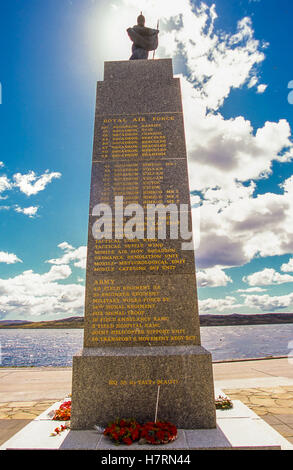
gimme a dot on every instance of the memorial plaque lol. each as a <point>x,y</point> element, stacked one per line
<point>142,310</point>
<point>151,182</point>
<point>136,256</point>
<point>141,315</point>
<point>139,137</point>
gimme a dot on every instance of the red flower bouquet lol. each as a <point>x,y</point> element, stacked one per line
<point>123,431</point>
<point>160,432</point>
<point>64,412</point>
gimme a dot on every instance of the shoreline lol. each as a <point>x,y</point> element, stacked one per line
<point>252,359</point>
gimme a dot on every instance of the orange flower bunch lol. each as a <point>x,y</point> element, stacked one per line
<point>63,427</point>
<point>64,412</point>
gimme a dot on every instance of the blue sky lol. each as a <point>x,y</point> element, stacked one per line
<point>234,76</point>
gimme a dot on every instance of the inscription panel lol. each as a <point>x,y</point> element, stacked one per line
<point>139,137</point>
<point>147,256</point>
<point>142,311</point>
<point>163,182</point>
<point>140,291</point>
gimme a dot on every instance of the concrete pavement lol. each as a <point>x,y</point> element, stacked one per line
<point>254,373</point>
<point>35,383</point>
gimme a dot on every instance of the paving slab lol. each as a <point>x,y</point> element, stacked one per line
<point>36,435</point>
<point>253,382</point>
<point>9,427</point>
<point>81,440</point>
<point>207,439</point>
<point>239,410</point>
<point>262,368</point>
<point>31,384</point>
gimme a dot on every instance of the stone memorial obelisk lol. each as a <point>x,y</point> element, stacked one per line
<point>142,349</point>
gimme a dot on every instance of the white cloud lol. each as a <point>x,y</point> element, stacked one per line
<point>218,305</point>
<point>220,63</point>
<point>267,277</point>
<point>253,81</point>
<point>9,258</point>
<point>31,184</point>
<point>287,267</point>
<point>57,273</point>
<point>223,151</point>
<point>269,303</point>
<point>212,277</point>
<point>77,255</point>
<point>261,88</point>
<point>251,289</point>
<point>65,246</point>
<point>5,184</point>
<point>31,293</point>
<point>29,211</point>
<point>236,226</point>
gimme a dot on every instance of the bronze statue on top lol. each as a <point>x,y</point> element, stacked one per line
<point>144,39</point>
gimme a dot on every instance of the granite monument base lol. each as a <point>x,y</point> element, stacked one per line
<point>130,382</point>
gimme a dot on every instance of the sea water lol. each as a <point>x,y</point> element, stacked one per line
<point>55,347</point>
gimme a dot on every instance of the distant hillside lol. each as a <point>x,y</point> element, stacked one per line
<point>205,320</point>
<point>236,319</point>
<point>13,322</point>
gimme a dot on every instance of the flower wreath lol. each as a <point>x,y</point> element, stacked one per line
<point>125,431</point>
<point>160,432</point>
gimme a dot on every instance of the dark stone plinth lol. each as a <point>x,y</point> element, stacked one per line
<point>144,86</point>
<point>123,382</point>
<point>160,70</point>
